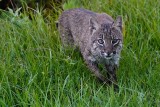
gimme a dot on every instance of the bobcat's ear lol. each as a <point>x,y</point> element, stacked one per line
<point>93,24</point>
<point>118,23</point>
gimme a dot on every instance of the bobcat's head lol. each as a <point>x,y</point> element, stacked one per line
<point>106,40</point>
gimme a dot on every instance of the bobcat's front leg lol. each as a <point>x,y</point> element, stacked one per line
<point>111,71</point>
<point>93,66</point>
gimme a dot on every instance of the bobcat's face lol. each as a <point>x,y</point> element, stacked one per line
<point>106,42</point>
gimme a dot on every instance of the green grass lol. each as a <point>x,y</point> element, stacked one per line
<point>36,71</point>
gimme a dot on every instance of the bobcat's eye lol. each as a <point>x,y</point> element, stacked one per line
<point>115,41</point>
<point>100,41</point>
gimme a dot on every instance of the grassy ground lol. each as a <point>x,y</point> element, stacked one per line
<point>35,70</point>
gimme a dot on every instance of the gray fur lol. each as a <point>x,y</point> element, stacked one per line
<point>98,37</point>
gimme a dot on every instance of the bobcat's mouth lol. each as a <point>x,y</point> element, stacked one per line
<point>108,57</point>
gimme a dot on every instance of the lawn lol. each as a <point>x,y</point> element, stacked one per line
<point>35,70</point>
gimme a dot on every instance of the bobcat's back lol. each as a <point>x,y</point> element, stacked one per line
<point>76,26</point>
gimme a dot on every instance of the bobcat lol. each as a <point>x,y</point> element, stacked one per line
<point>98,37</point>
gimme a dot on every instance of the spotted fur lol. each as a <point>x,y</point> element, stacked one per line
<point>98,37</point>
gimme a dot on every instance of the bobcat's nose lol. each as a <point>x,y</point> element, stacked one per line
<point>108,54</point>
